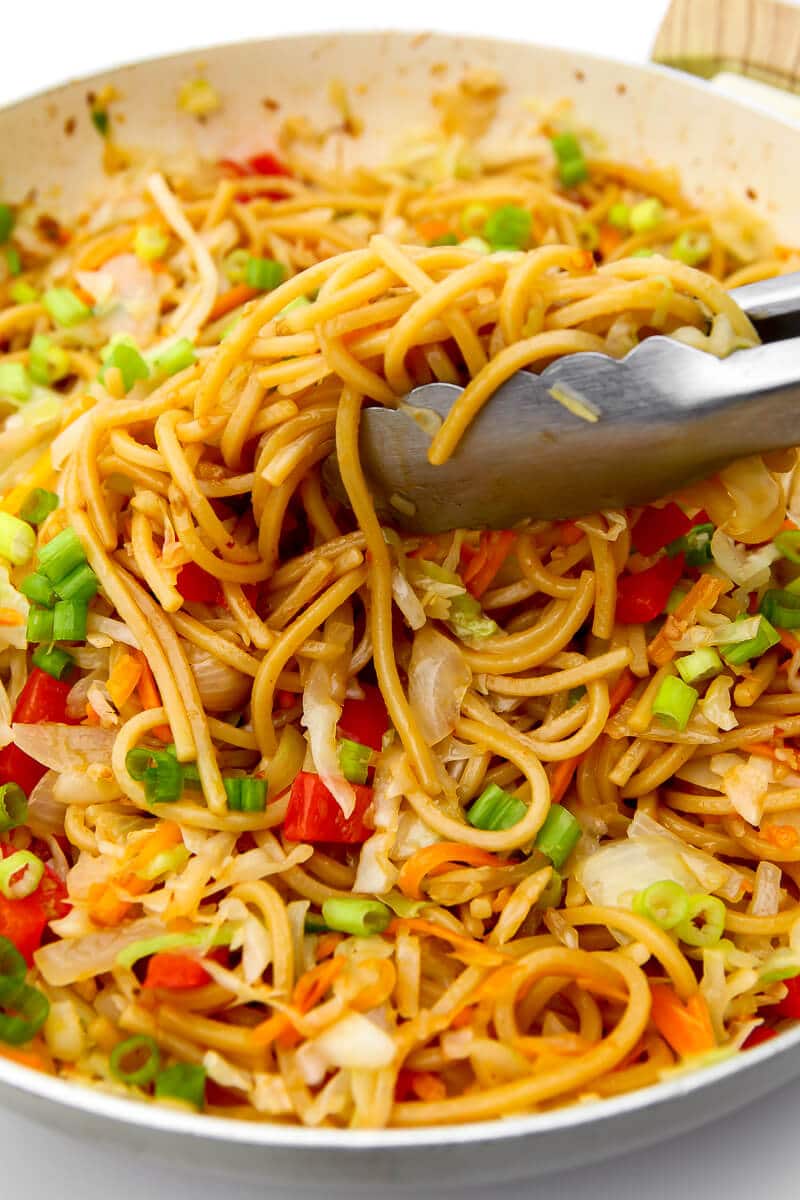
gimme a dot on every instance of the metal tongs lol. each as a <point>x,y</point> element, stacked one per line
<point>667,415</point>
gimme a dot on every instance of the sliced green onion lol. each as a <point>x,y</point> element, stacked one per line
<point>619,215</point>
<point>65,307</point>
<point>13,806</point>
<point>13,260</point>
<point>354,760</point>
<point>473,218</point>
<point>350,914</point>
<point>150,242</point>
<point>38,589</point>
<point>495,809</point>
<point>40,624</point>
<point>444,239</point>
<point>136,1061</point>
<point>781,608</point>
<point>551,896</point>
<point>38,505</point>
<point>100,121</point>
<point>17,539</point>
<point>559,835</point>
<point>711,912</point>
<point>234,266</point>
<point>665,903</point>
<point>31,869</point>
<point>566,147</point>
<point>21,292</point>
<point>643,252</point>
<point>781,964</point>
<point>676,598</point>
<point>674,702</point>
<point>205,938</point>
<point>691,247</point>
<point>298,302</point>
<point>182,1081</point>
<point>80,585</point>
<point>139,760</point>
<point>30,1008</point>
<point>15,383</point>
<point>163,783</point>
<point>69,620</point>
<point>575,695</point>
<point>176,357</point>
<point>700,665</point>
<point>314,924</point>
<point>47,362</point>
<point>128,361</point>
<point>53,660</point>
<point>61,555</point>
<point>508,228</point>
<point>573,172</point>
<point>738,653</point>
<point>13,969</point>
<point>788,542</point>
<point>191,775</point>
<point>264,273</point>
<point>253,794</point>
<point>233,791</point>
<point>647,215</point>
<point>696,545</point>
<point>6,221</point>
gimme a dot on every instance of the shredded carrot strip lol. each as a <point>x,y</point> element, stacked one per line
<point>788,641</point>
<point>309,989</point>
<point>621,690</point>
<point>480,954</point>
<point>10,616</point>
<point>166,835</point>
<point>704,594</point>
<point>429,549</point>
<point>562,777</point>
<point>686,1027</point>
<point>426,1086</point>
<point>38,476</point>
<point>778,754</point>
<point>440,856</point>
<point>106,906</point>
<point>377,993</point>
<point>568,533</point>
<point>92,716</point>
<point>148,695</point>
<point>788,524</point>
<point>609,238</point>
<point>785,837</point>
<point>435,227</point>
<point>327,944</point>
<point>124,679</point>
<point>463,1017</point>
<point>26,1058</point>
<point>495,549</point>
<point>231,299</point>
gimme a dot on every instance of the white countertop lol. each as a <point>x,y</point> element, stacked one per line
<point>749,1154</point>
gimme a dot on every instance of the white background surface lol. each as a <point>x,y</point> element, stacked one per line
<point>754,1153</point>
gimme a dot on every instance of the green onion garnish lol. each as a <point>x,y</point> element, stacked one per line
<point>47,362</point>
<point>30,1008</point>
<point>700,665</point>
<point>38,506</point>
<point>664,903</point>
<point>619,215</point>
<point>647,215</point>
<point>711,913</point>
<point>13,260</point>
<point>738,653</point>
<point>15,382</point>
<point>781,608</point>
<point>128,361</point>
<point>566,147</point>
<point>150,243</point>
<point>444,239</point>
<point>12,970</point>
<point>234,265</point>
<point>65,307</point>
<point>183,1081</point>
<point>6,221</point>
<point>696,545</point>
<point>264,273</point>
<point>508,228</point>
<point>28,867</point>
<point>788,542</point>
<point>100,121</point>
<point>495,809</point>
<point>195,939</point>
<point>13,807</point>
<point>246,794</point>
<point>38,589</point>
<point>17,539</point>
<point>21,292</point>
<point>674,702</point>
<point>690,247</point>
<point>80,585</point>
<point>354,760</point>
<point>575,695</point>
<point>559,835</point>
<point>350,914</point>
<point>61,555</point>
<point>136,1061</point>
<point>53,660</point>
<point>69,620</point>
<point>573,172</point>
<point>176,357</point>
<point>163,782</point>
<point>40,624</point>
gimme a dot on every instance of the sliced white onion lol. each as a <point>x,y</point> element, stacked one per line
<point>73,959</point>
<point>407,600</point>
<point>766,890</point>
<point>222,688</point>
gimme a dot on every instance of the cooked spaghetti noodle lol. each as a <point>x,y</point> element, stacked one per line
<point>308,819</point>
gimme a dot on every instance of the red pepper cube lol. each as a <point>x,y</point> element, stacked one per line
<point>314,814</point>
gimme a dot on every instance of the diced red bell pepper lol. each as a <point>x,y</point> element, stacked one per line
<point>198,586</point>
<point>258,164</point>
<point>43,699</point>
<point>23,921</point>
<point>365,721</point>
<point>314,814</point>
<point>657,527</point>
<point>762,1034</point>
<point>789,1006</point>
<point>176,971</point>
<point>643,597</point>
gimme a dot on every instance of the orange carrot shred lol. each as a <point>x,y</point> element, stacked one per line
<point>495,549</point>
<point>438,857</point>
<point>231,299</point>
<point>686,1027</point>
<point>703,594</point>
<point>10,616</point>
<point>149,697</point>
<point>562,777</point>
<point>621,690</point>
<point>124,678</point>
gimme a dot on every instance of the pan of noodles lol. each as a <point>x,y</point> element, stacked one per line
<point>330,850</point>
